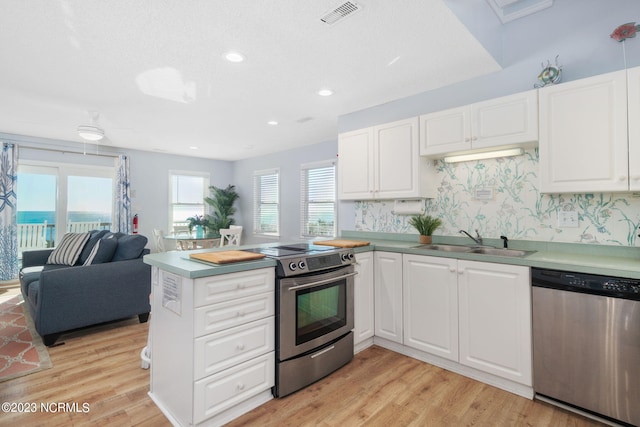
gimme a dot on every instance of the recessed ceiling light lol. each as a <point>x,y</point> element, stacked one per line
<point>325,92</point>
<point>193,147</point>
<point>234,57</point>
<point>272,123</point>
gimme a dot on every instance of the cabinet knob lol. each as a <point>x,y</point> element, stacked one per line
<point>452,269</point>
<point>240,314</point>
<point>461,272</point>
<point>622,178</point>
<point>475,138</point>
<point>635,177</point>
<point>240,386</point>
<point>467,139</point>
<point>240,347</point>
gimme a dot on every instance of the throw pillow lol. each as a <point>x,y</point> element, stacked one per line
<point>102,252</point>
<point>129,247</point>
<point>69,249</point>
<point>94,237</point>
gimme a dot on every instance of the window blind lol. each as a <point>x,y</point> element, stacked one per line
<point>318,199</point>
<point>266,202</point>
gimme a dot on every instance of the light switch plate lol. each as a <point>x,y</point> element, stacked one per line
<point>568,219</point>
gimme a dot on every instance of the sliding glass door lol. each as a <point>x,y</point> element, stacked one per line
<point>60,199</point>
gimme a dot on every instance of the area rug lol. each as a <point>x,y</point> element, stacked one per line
<point>21,349</point>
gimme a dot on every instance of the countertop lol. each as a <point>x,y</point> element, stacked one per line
<point>582,258</point>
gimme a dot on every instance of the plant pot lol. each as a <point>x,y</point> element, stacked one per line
<point>425,239</point>
<point>199,232</point>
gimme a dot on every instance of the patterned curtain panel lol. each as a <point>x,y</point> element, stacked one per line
<point>8,213</point>
<point>122,212</point>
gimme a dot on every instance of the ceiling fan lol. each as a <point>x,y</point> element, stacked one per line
<point>91,132</point>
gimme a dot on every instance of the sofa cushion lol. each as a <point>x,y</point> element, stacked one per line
<point>69,249</point>
<point>129,247</point>
<point>94,237</point>
<point>102,252</point>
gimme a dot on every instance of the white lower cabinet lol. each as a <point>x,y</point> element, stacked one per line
<point>495,319</point>
<point>388,295</point>
<point>212,345</point>
<point>475,313</point>
<point>363,300</point>
<point>431,305</point>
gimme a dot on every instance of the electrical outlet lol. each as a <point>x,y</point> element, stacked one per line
<point>568,219</point>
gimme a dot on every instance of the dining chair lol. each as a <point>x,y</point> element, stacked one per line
<point>230,236</point>
<point>158,238</point>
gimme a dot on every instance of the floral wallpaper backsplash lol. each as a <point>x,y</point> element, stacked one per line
<point>501,197</point>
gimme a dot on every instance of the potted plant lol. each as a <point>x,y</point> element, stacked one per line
<point>425,225</point>
<point>222,209</point>
<point>200,223</point>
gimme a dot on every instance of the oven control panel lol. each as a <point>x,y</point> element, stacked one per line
<point>309,263</point>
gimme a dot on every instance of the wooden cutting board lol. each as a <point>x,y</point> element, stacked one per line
<point>226,257</point>
<point>340,243</point>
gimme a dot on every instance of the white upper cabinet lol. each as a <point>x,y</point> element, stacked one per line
<point>502,122</point>
<point>633,79</point>
<point>583,135</point>
<point>383,162</point>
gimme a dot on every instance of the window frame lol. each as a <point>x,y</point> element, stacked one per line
<point>304,197</point>
<point>257,230</point>
<point>63,171</point>
<point>206,176</point>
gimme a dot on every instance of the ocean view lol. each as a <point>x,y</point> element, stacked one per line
<point>38,217</point>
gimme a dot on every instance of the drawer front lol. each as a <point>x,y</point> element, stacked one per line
<point>215,352</point>
<point>214,289</point>
<point>225,389</point>
<point>224,315</point>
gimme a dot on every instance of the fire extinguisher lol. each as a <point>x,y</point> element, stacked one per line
<point>135,224</point>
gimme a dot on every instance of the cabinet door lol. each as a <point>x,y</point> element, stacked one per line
<point>583,135</point>
<point>495,319</point>
<point>388,295</point>
<point>363,298</point>
<point>430,292</point>
<point>445,131</point>
<point>397,159</point>
<point>633,79</point>
<point>355,164</point>
<point>505,121</point>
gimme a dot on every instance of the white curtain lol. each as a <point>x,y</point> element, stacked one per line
<point>122,212</point>
<point>8,212</point>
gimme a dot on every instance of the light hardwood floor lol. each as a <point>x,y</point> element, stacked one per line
<point>101,366</point>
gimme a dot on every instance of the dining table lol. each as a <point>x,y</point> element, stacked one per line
<point>189,241</point>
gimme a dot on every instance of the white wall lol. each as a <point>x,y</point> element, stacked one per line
<point>289,164</point>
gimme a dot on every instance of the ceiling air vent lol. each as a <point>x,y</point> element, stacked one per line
<point>340,12</point>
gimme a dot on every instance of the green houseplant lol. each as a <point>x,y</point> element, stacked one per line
<point>222,209</point>
<point>425,225</point>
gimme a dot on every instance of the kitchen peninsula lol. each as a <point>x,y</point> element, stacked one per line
<point>204,375</point>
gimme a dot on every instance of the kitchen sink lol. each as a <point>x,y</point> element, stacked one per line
<point>500,252</point>
<point>475,250</point>
<point>445,248</point>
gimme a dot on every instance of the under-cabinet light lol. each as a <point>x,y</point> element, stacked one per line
<point>486,155</point>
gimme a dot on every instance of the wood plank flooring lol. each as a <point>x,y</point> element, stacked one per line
<point>101,367</point>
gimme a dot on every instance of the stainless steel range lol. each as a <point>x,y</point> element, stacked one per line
<point>314,313</point>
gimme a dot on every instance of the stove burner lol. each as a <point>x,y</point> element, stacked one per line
<point>303,258</point>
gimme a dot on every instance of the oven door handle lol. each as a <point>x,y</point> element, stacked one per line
<point>321,282</point>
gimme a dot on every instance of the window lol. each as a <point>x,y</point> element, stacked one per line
<point>65,197</point>
<point>266,202</point>
<point>187,191</point>
<point>318,199</point>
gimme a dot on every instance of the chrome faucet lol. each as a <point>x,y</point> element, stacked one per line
<point>477,239</point>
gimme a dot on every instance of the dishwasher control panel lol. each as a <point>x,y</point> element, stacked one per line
<point>617,287</point>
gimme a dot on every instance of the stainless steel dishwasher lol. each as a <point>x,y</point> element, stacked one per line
<point>586,343</point>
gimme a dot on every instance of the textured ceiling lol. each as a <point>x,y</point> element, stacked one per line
<point>154,69</point>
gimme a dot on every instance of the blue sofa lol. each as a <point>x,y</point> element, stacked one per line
<point>114,284</point>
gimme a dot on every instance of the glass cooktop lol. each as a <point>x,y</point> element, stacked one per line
<point>292,249</point>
